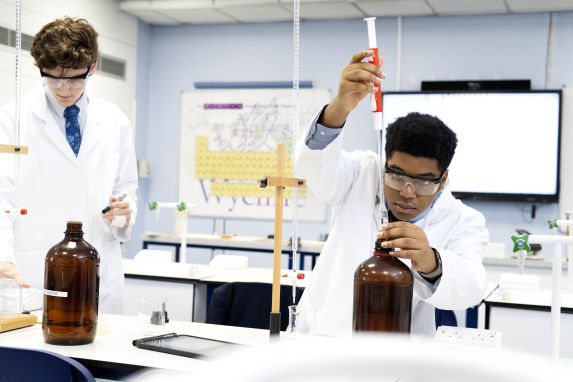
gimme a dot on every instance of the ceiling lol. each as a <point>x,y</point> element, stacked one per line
<point>178,12</point>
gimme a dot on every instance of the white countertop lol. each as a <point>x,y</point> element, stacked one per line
<point>537,261</point>
<point>540,297</point>
<point>205,273</point>
<point>115,334</point>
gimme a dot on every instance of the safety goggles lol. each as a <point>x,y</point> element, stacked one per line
<point>420,185</point>
<point>75,82</point>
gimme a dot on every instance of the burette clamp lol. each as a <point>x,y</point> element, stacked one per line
<point>294,276</point>
<point>13,149</point>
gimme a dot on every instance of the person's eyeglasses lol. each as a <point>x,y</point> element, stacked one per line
<point>74,82</point>
<point>420,185</point>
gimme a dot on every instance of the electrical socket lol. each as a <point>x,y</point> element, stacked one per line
<point>468,336</point>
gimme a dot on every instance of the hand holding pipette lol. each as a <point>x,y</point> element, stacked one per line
<point>376,107</point>
<point>118,212</point>
<point>358,80</point>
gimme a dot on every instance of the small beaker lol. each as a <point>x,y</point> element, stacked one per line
<point>152,315</point>
<point>10,298</point>
<point>300,319</point>
<point>291,318</point>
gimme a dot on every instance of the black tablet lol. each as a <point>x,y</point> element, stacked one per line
<point>186,345</point>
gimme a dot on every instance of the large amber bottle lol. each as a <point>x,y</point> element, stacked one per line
<point>383,287</point>
<point>71,283</point>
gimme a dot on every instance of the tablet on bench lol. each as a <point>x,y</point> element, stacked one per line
<point>186,345</point>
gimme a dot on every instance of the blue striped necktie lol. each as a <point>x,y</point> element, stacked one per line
<point>73,133</point>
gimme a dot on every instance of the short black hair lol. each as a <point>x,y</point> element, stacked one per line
<point>422,135</point>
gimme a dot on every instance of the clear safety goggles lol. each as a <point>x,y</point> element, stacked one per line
<point>75,82</point>
<point>420,186</point>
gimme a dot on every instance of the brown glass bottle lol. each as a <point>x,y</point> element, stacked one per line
<point>383,288</point>
<point>71,283</point>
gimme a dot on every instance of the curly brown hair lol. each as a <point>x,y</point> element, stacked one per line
<point>68,43</point>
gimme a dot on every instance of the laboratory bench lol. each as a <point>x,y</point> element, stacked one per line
<point>538,265</point>
<point>190,303</point>
<point>307,248</point>
<point>112,354</point>
<point>187,287</point>
<point>524,318</point>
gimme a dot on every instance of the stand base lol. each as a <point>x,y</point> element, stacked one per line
<point>275,324</point>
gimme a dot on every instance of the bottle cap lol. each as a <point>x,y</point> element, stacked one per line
<point>378,249</point>
<point>74,226</point>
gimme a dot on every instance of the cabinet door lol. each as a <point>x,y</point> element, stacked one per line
<point>179,296</point>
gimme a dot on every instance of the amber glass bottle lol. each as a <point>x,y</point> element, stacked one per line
<point>71,283</point>
<point>383,287</point>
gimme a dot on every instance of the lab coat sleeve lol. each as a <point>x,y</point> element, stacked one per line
<point>330,172</point>
<point>463,280</point>
<point>7,184</point>
<point>126,179</point>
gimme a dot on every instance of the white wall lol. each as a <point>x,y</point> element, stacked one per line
<point>433,48</point>
<point>117,38</point>
<point>171,59</point>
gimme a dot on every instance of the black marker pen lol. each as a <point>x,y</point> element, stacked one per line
<point>120,198</point>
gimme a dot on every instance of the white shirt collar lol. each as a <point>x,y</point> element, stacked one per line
<point>82,102</point>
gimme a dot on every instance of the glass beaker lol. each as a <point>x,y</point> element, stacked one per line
<point>300,319</point>
<point>152,315</point>
<point>10,298</point>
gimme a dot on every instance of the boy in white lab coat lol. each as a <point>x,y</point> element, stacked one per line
<point>81,157</point>
<point>440,238</point>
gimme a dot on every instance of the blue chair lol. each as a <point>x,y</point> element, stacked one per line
<point>30,365</point>
<point>445,318</point>
<point>248,304</point>
<point>448,317</point>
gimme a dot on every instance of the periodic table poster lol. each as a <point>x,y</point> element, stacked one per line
<point>228,144</point>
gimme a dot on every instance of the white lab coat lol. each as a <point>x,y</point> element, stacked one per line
<point>55,186</point>
<point>349,182</point>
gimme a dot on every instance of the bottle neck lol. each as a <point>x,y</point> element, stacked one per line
<point>74,236</point>
<point>381,251</point>
<point>74,231</point>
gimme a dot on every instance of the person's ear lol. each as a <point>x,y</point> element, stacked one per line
<point>93,68</point>
<point>444,180</point>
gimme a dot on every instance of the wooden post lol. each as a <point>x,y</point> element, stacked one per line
<point>279,182</point>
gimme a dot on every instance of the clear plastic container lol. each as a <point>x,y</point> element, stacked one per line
<point>10,298</point>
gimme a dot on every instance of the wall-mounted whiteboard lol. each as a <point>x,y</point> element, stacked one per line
<point>228,143</point>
